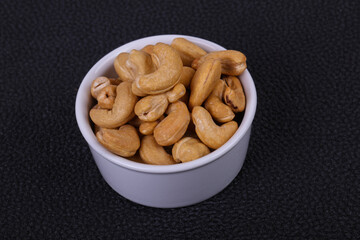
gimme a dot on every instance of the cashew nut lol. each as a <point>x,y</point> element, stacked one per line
<point>186,76</point>
<point>232,62</point>
<point>174,126</point>
<point>187,50</point>
<point>169,68</point>
<point>214,104</point>
<point>188,149</point>
<point>204,81</point>
<point>98,84</point>
<point>123,141</point>
<point>234,95</point>
<point>122,111</point>
<point>107,96</point>
<point>151,107</point>
<point>212,135</point>
<point>130,65</point>
<point>152,153</point>
<point>147,128</point>
<point>176,93</point>
<point>148,49</point>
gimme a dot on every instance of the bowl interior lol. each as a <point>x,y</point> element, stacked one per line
<point>104,67</point>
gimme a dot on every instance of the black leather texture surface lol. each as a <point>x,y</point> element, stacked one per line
<point>301,177</point>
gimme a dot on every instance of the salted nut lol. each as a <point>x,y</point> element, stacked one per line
<point>152,107</point>
<point>204,82</point>
<point>216,107</point>
<point>101,82</point>
<point>169,68</point>
<point>188,149</point>
<point>147,128</point>
<point>123,141</point>
<point>173,127</point>
<point>232,62</point>
<point>212,135</point>
<point>122,110</point>
<point>130,65</point>
<point>152,153</point>
<point>234,95</point>
<point>107,97</point>
<point>187,50</point>
<point>186,76</point>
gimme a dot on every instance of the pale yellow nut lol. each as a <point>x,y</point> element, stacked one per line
<point>147,128</point>
<point>122,111</point>
<point>232,62</point>
<point>215,105</point>
<point>186,76</point>
<point>187,50</point>
<point>137,91</point>
<point>234,95</point>
<point>151,107</point>
<point>97,85</point>
<point>204,81</point>
<point>176,93</point>
<point>169,67</point>
<point>174,126</point>
<point>210,134</point>
<point>148,49</point>
<point>152,153</point>
<point>107,97</point>
<point>188,149</point>
<point>121,69</point>
<point>124,141</point>
<point>140,63</point>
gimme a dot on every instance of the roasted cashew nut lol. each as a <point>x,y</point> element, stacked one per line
<point>186,76</point>
<point>151,107</point>
<point>169,68</point>
<point>130,65</point>
<point>232,62</point>
<point>214,104</point>
<point>98,84</point>
<point>124,141</point>
<point>147,128</point>
<point>187,50</point>
<point>212,135</point>
<point>188,149</point>
<point>204,81</point>
<point>122,111</point>
<point>152,153</point>
<point>107,97</point>
<point>234,95</point>
<point>174,126</point>
<point>148,49</point>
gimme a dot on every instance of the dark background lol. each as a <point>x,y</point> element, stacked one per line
<point>301,175</point>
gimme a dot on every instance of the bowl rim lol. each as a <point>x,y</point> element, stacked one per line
<point>85,128</point>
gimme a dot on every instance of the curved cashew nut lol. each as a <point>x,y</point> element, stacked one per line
<point>107,97</point>
<point>124,141</point>
<point>234,95</point>
<point>232,62</point>
<point>204,81</point>
<point>212,135</point>
<point>186,76</point>
<point>130,65</point>
<point>169,68</point>
<point>152,107</point>
<point>148,49</point>
<point>187,50</point>
<point>147,128</point>
<point>214,104</point>
<point>122,111</point>
<point>98,84</point>
<point>153,153</point>
<point>188,149</point>
<point>174,126</point>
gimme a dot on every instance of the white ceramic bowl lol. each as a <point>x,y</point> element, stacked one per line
<point>172,185</point>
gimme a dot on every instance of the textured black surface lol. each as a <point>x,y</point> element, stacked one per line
<point>301,176</point>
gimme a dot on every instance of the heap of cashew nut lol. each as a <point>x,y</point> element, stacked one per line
<point>170,103</point>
